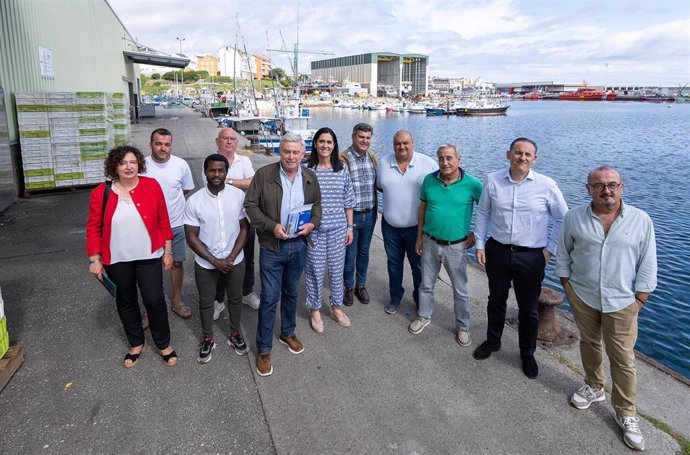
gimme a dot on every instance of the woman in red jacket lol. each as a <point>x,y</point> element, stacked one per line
<point>130,238</point>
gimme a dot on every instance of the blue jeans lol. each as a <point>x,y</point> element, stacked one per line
<point>280,276</point>
<point>398,242</point>
<point>454,260</point>
<point>357,252</point>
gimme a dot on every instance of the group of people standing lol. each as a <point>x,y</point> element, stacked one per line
<point>605,251</point>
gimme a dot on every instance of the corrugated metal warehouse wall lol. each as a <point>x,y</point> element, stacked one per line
<point>85,40</point>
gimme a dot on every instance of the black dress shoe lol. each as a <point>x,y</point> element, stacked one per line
<point>529,366</point>
<point>347,298</point>
<point>362,295</point>
<point>484,351</point>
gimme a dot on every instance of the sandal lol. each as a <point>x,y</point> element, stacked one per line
<point>169,359</point>
<point>132,359</point>
<point>182,311</point>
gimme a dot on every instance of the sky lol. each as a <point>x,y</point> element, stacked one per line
<point>598,42</point>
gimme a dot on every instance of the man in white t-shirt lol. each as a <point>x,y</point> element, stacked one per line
<point>175,178</point>
<point>216,230</point>
<point>240,175</point>
<point>400,178</point>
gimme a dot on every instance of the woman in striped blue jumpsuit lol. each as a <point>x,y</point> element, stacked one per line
<point>335,233</point>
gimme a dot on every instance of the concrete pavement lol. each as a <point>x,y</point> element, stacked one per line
<point>372,388</point>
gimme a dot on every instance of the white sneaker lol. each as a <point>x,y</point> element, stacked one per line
<point>418,325</point>
<point>463,338</point>
<point>585,396</point>
<point>218,308</point>
<point>252,301</point>
<point>631,431</point>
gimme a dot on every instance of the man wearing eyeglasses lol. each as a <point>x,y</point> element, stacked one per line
<point>607,264</point>
<point>514,243</point>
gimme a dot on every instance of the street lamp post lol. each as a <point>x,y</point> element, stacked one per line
<point>182,78</point>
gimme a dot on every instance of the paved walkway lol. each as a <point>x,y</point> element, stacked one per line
<point>370,389</point>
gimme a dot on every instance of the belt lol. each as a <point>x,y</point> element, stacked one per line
<point>516,248</point>
<point>445,242</point>
<point>363,211</point>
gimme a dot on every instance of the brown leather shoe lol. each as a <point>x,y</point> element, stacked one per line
<point>347,298</point>
<point>264,367</point>
<point>294,345</point>
<point>362,295</point>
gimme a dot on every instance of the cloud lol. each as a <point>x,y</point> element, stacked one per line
<point>499,40</point>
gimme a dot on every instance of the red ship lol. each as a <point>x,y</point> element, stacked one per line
<point>583,94</point>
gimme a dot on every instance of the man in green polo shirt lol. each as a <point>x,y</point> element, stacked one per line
<point>447,198</point>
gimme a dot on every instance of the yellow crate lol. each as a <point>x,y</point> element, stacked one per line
<point>4,345</point>
<point>4,337</point>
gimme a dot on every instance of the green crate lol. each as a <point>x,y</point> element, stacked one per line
<point>71,176</point>
<point>90,108</point>
<point>37,172</point>
<point>34,134</point>
<point>95,119</point>
<point>39,185</point>
<point>4,344</point>
<point>93,131</point>
<point>89,95</point>
<point>32,108</point>
<point>62,108</point>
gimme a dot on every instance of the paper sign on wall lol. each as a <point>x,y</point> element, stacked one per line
<point>45,60</point>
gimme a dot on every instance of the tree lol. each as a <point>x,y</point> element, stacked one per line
<point>202,74</point>
<point>277,74</point>
<point>155,76</point>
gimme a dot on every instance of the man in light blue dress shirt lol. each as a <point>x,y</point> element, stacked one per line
<point>607,263</point>
<point>514,243</point>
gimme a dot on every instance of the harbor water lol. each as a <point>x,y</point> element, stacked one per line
<point>647,142</point>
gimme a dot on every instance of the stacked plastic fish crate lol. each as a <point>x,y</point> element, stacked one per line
<point>34,131</point>
<point>64,138</point>
<point>120,119</point>
<point>94,133</point>
<point>66,135</point>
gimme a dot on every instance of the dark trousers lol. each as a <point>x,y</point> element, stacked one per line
<point>248,282</point>
<point>147,275</point>
<point>526,271</point>
<point>206,282</point>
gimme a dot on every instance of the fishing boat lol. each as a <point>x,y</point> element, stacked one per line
<point>435,111</point>
<point>291,117</point>
<point>583,94</point>
<point>657,98</point>
<point>483,107</point>
<point>533,96</point>
<point>417,109</point>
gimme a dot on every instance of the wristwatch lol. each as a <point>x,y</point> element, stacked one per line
<point>229,181</point>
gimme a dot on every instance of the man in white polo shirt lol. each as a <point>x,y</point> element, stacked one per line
<point>400,178</point>
<point>175,178</point>
<point>240,175</point>
<point>216,231</point>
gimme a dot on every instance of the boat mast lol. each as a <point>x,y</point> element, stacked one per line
<point>234,68</point>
